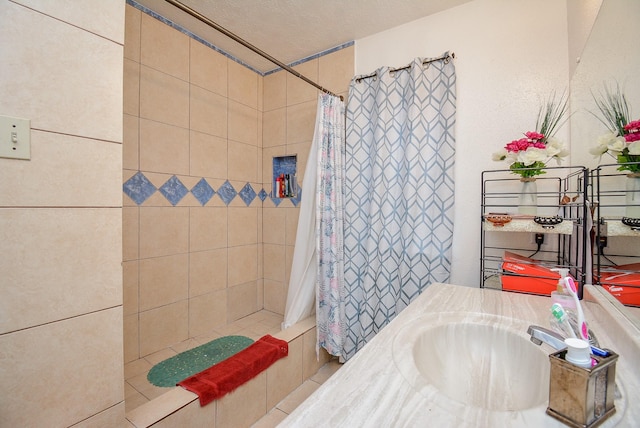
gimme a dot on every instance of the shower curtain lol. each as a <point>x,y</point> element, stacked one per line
<point>317,268</point>
<point>399,192</point>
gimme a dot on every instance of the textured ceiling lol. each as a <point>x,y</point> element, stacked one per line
<point>290,30</point>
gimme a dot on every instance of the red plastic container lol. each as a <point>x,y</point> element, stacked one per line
<point>526,275</point>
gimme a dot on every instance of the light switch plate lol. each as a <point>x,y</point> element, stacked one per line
<point>15,138</point>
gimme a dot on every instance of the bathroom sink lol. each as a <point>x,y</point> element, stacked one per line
<point>478,360</point>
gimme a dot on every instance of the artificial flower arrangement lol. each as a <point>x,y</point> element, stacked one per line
<point>528,156</point>
<point>623,139</point>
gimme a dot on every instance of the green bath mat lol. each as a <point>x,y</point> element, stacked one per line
<point>179,367</point>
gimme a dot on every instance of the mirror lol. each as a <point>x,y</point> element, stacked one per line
<point>610,56</point>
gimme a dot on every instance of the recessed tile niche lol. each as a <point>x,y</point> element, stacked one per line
<point>284,183</point>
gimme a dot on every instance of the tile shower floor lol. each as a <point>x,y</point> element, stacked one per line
<point>138,390</point>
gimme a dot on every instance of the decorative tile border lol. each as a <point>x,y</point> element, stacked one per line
<point>139,189</point>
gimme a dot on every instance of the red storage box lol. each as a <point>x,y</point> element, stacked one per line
<point>527,275</point>
<point>623,282</point>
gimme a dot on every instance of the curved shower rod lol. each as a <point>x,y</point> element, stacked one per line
<point>246,44</point>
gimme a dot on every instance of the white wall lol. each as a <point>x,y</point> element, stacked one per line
<point>510,55</point>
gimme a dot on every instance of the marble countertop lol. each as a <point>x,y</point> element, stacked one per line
<point>370,390</point>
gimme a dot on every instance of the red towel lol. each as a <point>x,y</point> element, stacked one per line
<point>227,375</point>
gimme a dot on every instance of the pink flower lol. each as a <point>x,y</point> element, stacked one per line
<point>536,136</point>
<point>518,145</point>
<point>633,131</point>
<point>539,145</point>
<point>633,126</point>
<point>631,137</point>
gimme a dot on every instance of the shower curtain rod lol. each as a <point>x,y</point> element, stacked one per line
<point>446,57</point>
<point>246,44</point>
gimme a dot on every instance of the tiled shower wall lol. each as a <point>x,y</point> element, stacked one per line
<point>194,173</point>
<point>288,124</point>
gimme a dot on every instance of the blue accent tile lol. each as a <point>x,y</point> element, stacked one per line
<point>227,192</point>
<point>173,190</point>
<point>203,192</point>
<point>262,195</point>
<point>138,188</point>
<point>276,201</point>
<point>247,194</point>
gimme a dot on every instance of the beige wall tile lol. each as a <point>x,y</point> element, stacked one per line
<point>285,375</point>
<point>111,417</point>
<point>130,222</point>
<point>208,228</point>
<point>243,264</point>
<point>242,301</point>
<point>207,271</point>
<point>275,90</point>
<point>245,405</point>
<point>163,327</point>
<point>299,91</point>
<point>243,161</point>
<point>59,355</point>
<point>130,142</point>
<point>164,48</point>
<point>132,23</point>
<point>288,261</point>
<point>301,150</point>
<point>301,122</point>
<point>163,148</point>
<point>274,225</point>
<point>131,88</point>
<point>208,112</point>
<point>208,68</point>
<point>131,337</point>
<point>206,312</point>
<point>54,178</point>
<point>274,262</point>
<point>291,230</point>
<point>85,67</point>
<point>337,69</point>
<point>243,123</point>
<point>163,98</point>
<point>243,226</point>
<point>130,287</point>
<point>274,129</point>
<point>163,280</point>
<point>243,85</point>
<point>208,155</point>
<point>275,297</point>
<point>191,415</point>
<point>55,253</point>
<point>311,362</point>
<point>163,231</point>
<point>260,93</point>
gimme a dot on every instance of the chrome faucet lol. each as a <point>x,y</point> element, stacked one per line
<point>551,338</point>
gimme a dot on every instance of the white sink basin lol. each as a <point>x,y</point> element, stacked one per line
<point>475,360</point>
<point>483,366</point>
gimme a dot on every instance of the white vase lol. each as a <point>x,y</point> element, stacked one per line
<point>528,197</point>
<point>632,209</point>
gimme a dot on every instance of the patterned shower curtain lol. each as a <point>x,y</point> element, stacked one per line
<point>329,137</point>
<point>399,192</point>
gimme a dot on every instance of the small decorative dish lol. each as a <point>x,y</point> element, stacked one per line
<point>633,223</point>
<point>498,220</point>
<point>548,222</point>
